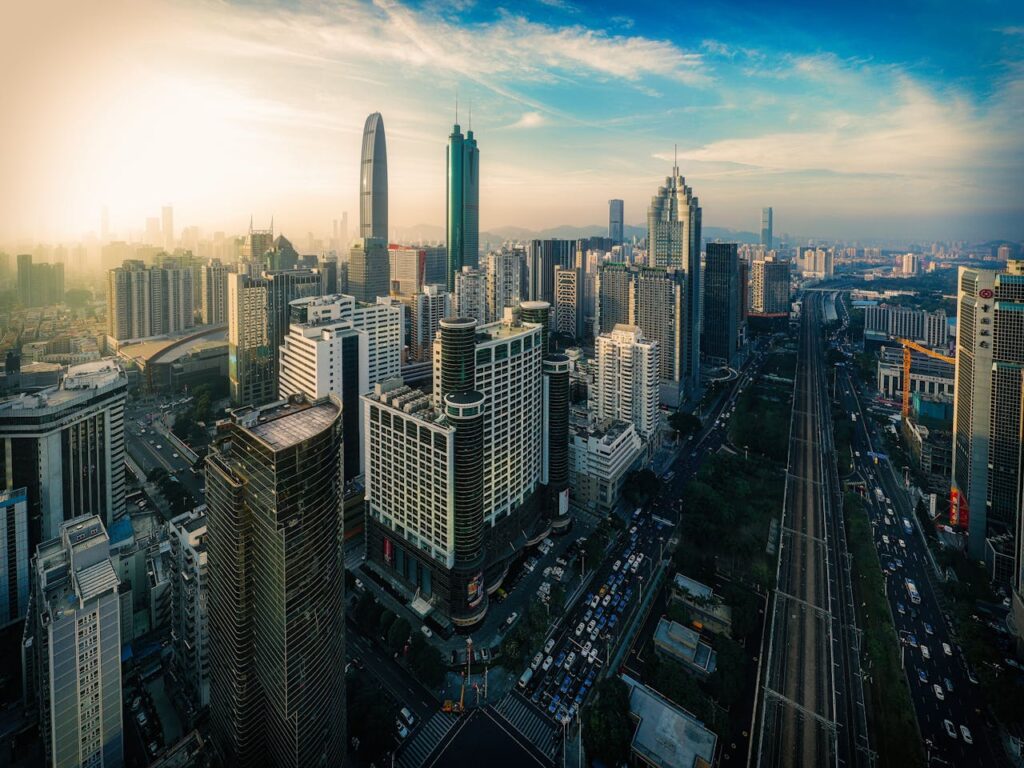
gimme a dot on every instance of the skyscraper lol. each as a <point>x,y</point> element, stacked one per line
<point>167,227</point>
<point>769,287</point>
<point>213,292</point>
<point>257,243</point>
<point>767,239</point>
<point>542,258</point>
<point>506,279</point>
<point>426,310</point>
<point>659,312</point>
<point>369,270</point>
<point>721,301</point>
<point>190,636</point>
<point>373,181</point>
<point>627,382</point>
<point>569,303</point>
<point>615,288</point>
<point>16,554</point>
<point>72,647</point>
<point>615,221</point>
<point>674,240</point>
<point>463,203</point>
<point>276,590</point>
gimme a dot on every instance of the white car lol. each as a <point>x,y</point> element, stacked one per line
<point>549,645</point>
<point>903,544</point>
<point>595,601</point>
<point>408,716</point>
<point>586,649</point>
<point>547,663</point>
<point>925,652</point>
<point>537,661</point>
<point>966,733</point>
<point>593,656</point>
<point>426,631</point>
<point>579,628</point>
<point>946,649</point>
<point>950,730</point>
<point>938,692</point>
<point>570,659</point>
<point>607,599</point>
<point>617,565</point>
<point>885,538</point>
<point>403,732</point>
<point>591,625</point>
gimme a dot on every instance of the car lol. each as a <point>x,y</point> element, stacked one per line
<point>595,601</point>
<point>537,661</point>
<point>949,684</point>
<point>588,615</point>
<point>570,660</point>
<point>602,623</point>
<point>159,447</point>
<point>632,530</point>
<point>966,733</point>
<point>547,663</point>
<point>403,732</point>
<point>549,645</point>
<point>579,628</point>
<point>559,659</point>
<point>607,599</point>
<point>938,692</point>
<point>599,614</point>
<point>613,620</point>
<point>553,706</point>
<point>565,684</point>
<point>586,648</point>
<point>408,716</point>
<point>950,730</point>
<point>141,719</point>
<point>903,544</point>
<point>426,631</point>
<point>616,565</point>
<point>925,652</point>
<point>899,562</point>
<point>901,608</point>
<point>511,619</point>
<point>602,591</point>
<point>885,538</point>
<point>928,629</point>
<point>946,649</point>
<point>593,656</point>
<point>174,455</point>
<point>912,640</point>
<point>922,676</point>
<point>592,625</point>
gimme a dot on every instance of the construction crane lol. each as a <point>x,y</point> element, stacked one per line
<point>913,345</point>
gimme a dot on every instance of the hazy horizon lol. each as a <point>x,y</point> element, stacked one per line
<point>231,110</point>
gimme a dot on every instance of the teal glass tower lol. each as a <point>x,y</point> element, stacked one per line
<point>463,199</point>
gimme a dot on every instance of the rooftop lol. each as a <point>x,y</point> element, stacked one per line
<point>695,588</point>
<point>283,425</point>
<point>667,736</point>
<point>685,645</point>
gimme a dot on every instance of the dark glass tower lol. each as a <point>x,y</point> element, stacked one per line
<point>373,181</point>
<point>276,594</point>
<point>463,199</point>
<point>721,301</point>
<point>458,354</point>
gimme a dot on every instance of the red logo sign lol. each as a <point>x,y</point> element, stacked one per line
<point>985,293</point>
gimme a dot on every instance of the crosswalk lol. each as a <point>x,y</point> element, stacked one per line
<point>425,740</point>
<point>532,724</point>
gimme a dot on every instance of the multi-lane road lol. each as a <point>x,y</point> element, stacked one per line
<point>811,706</point>
<point>936,670</point>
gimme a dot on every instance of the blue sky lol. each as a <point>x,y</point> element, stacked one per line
<point>857,121</point>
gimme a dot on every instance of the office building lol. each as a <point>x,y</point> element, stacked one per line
<point>463,203</point>
<point>506,280</point>
<point>65,446</point>
<point>71,648</point>
<point>769,287</point>
<point>471,294</point>
<point>615,289</point>
<point>426,310</point>
<point>276,587</point>
<point>337,346</point>
<point>600,457</point>
<point>674,241</point>
<point>412,268</point>
<point>569,302</point>
<point>373,182</point>
<point>14,555</point>
<point>189,604</point>
<point>626,387</point>
<point>928,328</point>
<point>721,301</point>
<point>257,323</point>
<point>659,311</point>
<point>258,243</point>
<point>615,222</point>
<point>767,236</point>
<point>542,257</point>
<point>213,293</point>
<point>369,270</point>
<point>987,490</point>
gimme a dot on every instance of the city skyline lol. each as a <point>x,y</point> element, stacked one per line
<point>263,116</point>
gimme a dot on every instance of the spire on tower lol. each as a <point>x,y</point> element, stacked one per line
<point>675,159</point>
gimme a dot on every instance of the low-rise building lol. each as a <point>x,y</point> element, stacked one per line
<point>666,736</point>
<point>684,645</point>
<point>702,604</point>
<point>600,456</point>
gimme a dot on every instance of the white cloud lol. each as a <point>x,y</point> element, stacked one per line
<point>530,120</point>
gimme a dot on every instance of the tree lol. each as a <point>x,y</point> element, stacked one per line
<point>639,486</point>
<point>398,634</point>
<point>607,725</point>
<point>371,718</point>
<point>387,618</point>
<point>684,423</point>
<point>425,661</point>
<point>156,474</point>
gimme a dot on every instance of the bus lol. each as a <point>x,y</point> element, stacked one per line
<point>915,598</point>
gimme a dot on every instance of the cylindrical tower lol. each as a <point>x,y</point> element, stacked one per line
<point>537,312</point>
<point>556,402</point>
<point>465,410</point>
<point>458,355</point>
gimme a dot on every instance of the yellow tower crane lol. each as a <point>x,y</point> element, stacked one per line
<point>913,345</point>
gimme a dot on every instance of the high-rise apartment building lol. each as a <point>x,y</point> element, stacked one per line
<point>615,289</point>
<point>674,241</point>
<point>14,555</point>
<point>615,222</point>
<point>426,310</point>
<point>412,268</point>
<point>767,236</point>
<point>149,301</point>
<point>65,446</point>
<point>721,301</point>
<point>369,270</point>
<point>213,292</point>
<point>463,203</point>
<point>769,287</point>
<point>471,294</point>
<point>373,182</point>
<point>506,280</point>
<point>276,587</point>
<point>987,480</point>
<point>189,606</point>
<point>569,303</point>
<point>257,323</point>
<point>626,386</point>
<point>71,650</point>
<point>39,285</point>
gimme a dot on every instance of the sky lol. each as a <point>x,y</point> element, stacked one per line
<point>853,120</point>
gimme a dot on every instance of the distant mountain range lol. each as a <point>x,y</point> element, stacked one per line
<point>434,233</point>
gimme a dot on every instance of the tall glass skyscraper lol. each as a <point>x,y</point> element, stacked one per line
<point>673,241</point>
<point>373,181</point>
<point>615,216</point>
<point>463,203</point>
<point>766,228</point>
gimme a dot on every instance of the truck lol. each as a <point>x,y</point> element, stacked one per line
<point>524,679</point>
<point>915,598</point>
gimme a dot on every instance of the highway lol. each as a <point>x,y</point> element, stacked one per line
<point>143,433</point>
<point>924,630</point>
<point>812,711</point>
